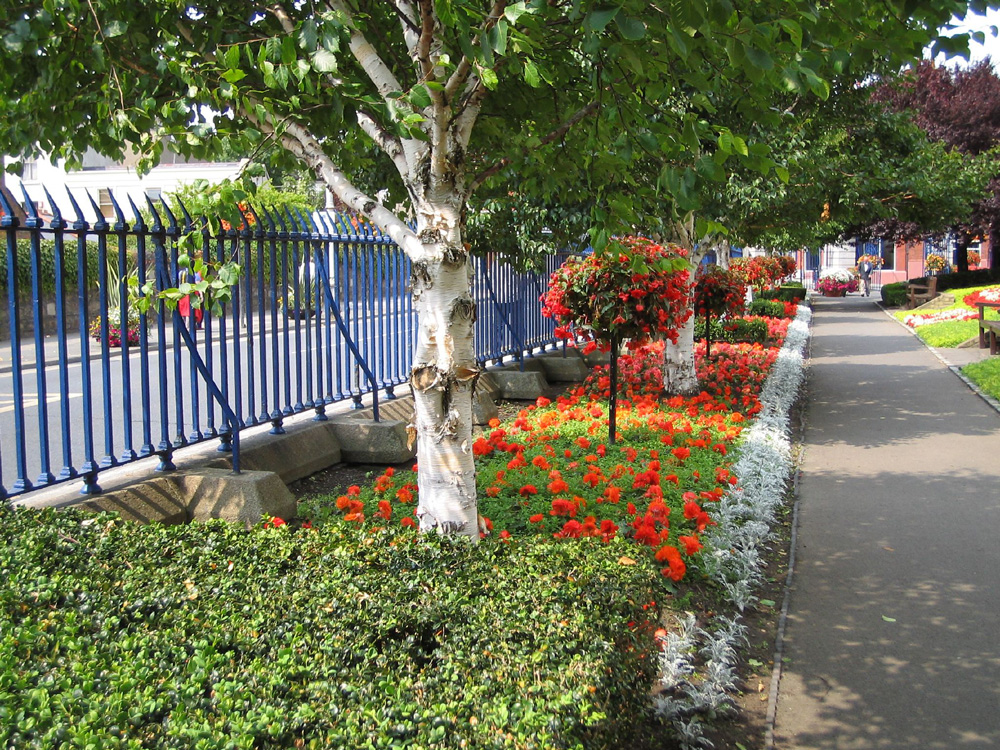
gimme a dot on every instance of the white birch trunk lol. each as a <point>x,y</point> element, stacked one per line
<point>444,374</point>
<point>679,375</point>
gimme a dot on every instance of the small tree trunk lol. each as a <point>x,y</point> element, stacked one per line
<point>679,375</point>
<point>722,255</point>
<point>444,375</point>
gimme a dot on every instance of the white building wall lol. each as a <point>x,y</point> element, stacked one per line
<point>123,181</point>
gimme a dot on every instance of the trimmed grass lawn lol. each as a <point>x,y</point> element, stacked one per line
<point>986,375</point>
<point>951,333</point>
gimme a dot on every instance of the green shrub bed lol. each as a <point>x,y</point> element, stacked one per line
<point>208,636</point>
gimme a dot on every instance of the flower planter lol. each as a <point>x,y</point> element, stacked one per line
<point>835,294</point>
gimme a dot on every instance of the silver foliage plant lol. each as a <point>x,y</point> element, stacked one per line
<point>697,665</point>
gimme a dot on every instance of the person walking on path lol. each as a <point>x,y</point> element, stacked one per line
<point>865,269</point>
<point>892,637</point>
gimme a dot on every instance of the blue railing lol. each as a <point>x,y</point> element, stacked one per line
<point>322,314</point>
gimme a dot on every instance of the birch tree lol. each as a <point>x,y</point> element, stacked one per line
<point>453,94</point>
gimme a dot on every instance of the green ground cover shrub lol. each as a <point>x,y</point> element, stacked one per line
<point>986,375</point>
<point>753,330</point>
<point>793,291</point>
<point>894,294</point>
<point>768,308</point>
<point>353,631</point>
<point>208,636</point>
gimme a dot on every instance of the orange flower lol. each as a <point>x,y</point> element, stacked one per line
<point>342,502</point>
<point>384,509</point>
<point>557,485</point>
<point>537,518</point>
<point>691,544</point>
<point>563,507</point>
<point>408,522</point>
<point>541,463</point>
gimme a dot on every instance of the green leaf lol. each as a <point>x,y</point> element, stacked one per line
<point>446,12</point>
<point>489,78</point>
<point>888,619</point>
<point>324,61</point>
<point>758,57</point>
<point>232,57</point>
<point>531,76</point>
<point>514,12</point>
<point>767,602</point>
<point>740,146</point>
<point>115,28</point>
<point>419,96</point>
<point>792,29</point>
<point>782,174</point>
<point>631,28</point>
<point>726,142</point>
<point>601,17</point>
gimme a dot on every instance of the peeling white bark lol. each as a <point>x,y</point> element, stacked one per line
<point>679,375</point>
<point>444,374</point>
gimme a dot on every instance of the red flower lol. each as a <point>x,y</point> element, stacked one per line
<point>691,544</point>
<point>273,523</point>
<point>562,507</point>
<point>408,522</point>
<point>528,489</point>
<point>537,518</point>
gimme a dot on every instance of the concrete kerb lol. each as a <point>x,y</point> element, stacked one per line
<point>203,486</point>
<point>992,402</point>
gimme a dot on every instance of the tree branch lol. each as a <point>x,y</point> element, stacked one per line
<point>464,67</point>
<point>559,132</point>
<point>366,55</point>
<point>300,142</point>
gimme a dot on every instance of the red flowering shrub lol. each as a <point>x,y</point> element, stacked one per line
<point>763,271</point>
<point>717,292</point>
<point>634,291</point>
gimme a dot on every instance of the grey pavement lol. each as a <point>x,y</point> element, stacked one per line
<point>893,631</point>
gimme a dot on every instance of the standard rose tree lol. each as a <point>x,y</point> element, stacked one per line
<point>635,291</point>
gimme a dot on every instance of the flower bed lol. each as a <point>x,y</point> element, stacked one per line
<point>351,626</point>
<point>924,319</point>
<point>991,295</point>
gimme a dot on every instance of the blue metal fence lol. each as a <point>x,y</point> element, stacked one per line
<point>322,314</point>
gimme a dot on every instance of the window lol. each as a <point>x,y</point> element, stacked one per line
<point>104,202</point>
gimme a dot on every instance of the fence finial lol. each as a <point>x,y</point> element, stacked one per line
<point>101,225</point>
<point>9,218</point>
<point>80,222</point>
<point>140,225</point>
<point>157,222</point>
<point>57,219</point>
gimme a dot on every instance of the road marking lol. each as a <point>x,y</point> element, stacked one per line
<point>7,402</point>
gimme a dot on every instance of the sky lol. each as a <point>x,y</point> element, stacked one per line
<point>990,48</point>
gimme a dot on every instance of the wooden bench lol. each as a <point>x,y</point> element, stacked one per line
<point>988,329</point>
<point>919,293</point>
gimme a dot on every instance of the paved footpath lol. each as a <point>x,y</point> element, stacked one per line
<point>893,632</point>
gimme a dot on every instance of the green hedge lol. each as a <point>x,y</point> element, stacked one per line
<point>792,292</point>
<point>894,295</point>
<point>767,308</point>
<point>210,636</point>
<point>735,330</point>
<point>48,264</point>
